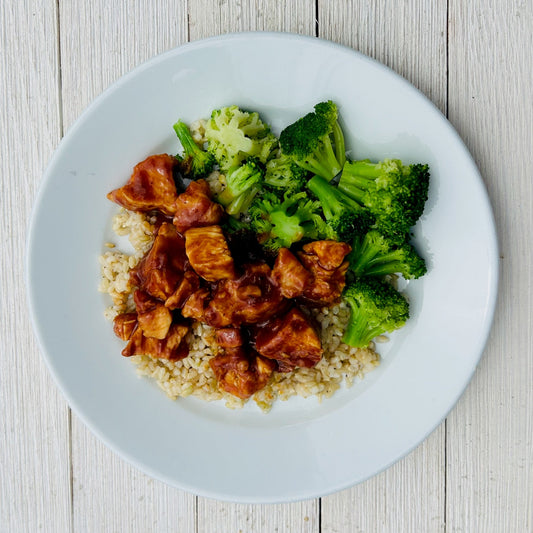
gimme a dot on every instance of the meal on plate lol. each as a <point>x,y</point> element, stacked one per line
<point>263,267</point>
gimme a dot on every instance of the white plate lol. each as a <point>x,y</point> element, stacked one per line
<point>302,448</point>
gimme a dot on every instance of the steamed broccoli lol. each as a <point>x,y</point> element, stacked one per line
<point>284,175</point>
<point>281,222</point>
<point>345,218</point>
<point>376,308</point>
<point>308,141</point>
<point>393,192</point>
<point>242,184</point>
<point>376,255</point>
<point>195,162</point>
<point>235,135</point>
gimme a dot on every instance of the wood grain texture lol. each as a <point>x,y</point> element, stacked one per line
<point>477,476</point>
<point>409,37</point>
<point>301,517</point>
<point>215,17</point>
<point>34,455</point>
<point>490,434</point>
<point>101,41</point>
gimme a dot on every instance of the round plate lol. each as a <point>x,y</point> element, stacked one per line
<point>302,448</point>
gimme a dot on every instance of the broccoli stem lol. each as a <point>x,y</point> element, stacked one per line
<point>226,197</point>
<point>385,264</point>
<point>323,162</point>
<point>358,332</point>
<point>361,255</point>
<point>332,201</point>
<point>241,203</point>
<point>356,177</point>
<point>185,137</point>
<point>340,148</point>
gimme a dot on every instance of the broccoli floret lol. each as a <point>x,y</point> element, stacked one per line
<point>242,184</point>
<point>376,308</point>
<point>308,141</point>
<point>284,175</point>
<point>375,255</point>
<point>345,218</point>
<point>195,162</point>
<point>281,222</point>
<point>393,192</point>
<point>235,135</point>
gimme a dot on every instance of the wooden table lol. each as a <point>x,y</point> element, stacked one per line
<point>474,59</point>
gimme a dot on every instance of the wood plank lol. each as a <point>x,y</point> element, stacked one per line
<point>100,41</point>
<point>207,18</point>
<point>214,17</point>
<point>34,455</point>
<point>301,517</point>
<point>409,37</point>
<point>490,434</point>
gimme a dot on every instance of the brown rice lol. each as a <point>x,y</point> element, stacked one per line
<point>193,376</point>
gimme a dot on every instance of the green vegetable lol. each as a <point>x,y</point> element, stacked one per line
<point>376,308</point>
<point>242,184</point>
<point>375,255</point>
<point>284,175</point>
<point>235,135</point>
<point>394,193</point>
<point>196,162</point>
<point>315,142</point>
<point>281,222</point>
<point>345,218</point>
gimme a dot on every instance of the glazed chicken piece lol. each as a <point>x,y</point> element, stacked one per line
<point>291,340</point>
<point>289,274</point>
<point>150,187</point>
<point>208,253</point>
<point>241,374</point>
<point>124,324</point>
<point>229,337</point>
<point>189,284</point>
<point>194,208</point>
<point>250,299</point>
<point>173,347</point>
<point>195,305</point>
<point>330,254</point>
<point>161,269</point>
<point>325,261</point>
<point>153,317</point>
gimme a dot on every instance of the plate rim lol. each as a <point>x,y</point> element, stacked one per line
<point>47,177</point>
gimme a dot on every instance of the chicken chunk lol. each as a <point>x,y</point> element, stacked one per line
<point>150,187</point>
<point>289,274</point>
<point>291,340</point>
<point>173,347</point>
<point>124,324</point>
<point>188,285</point>
<point>241,374</point>
<point>153,317</point>
<point>209,254</point>
<point>325,261</point>
<point>194,208</point>
<point>195,305</point>
<point>229,337</point>
<point>161,269</point>
<point>144,302</point>
<point>330,254</point>
<point>250,299</point>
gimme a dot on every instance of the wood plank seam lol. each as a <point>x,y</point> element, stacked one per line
<point>61,133</point>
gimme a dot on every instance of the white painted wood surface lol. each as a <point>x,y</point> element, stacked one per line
<point>474,60</point>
